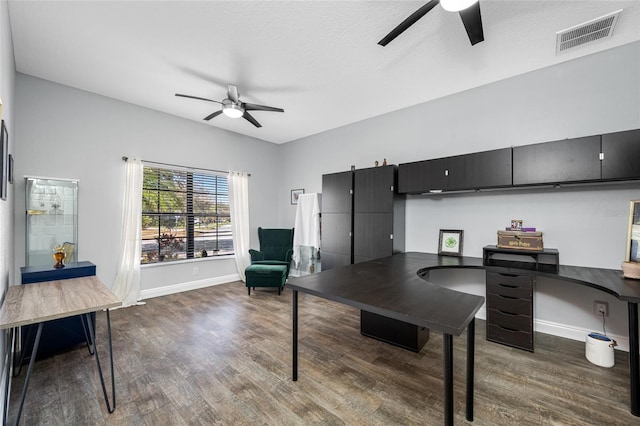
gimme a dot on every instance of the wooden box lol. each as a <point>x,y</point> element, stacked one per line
<point>520,240</point>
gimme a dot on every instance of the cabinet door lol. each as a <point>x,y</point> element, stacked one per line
<point>336,239</point>
<point>372,236</point>
<point>571,160</point>
<point>422,176</point>
<point>374,189</point>
<point>621,155</point>
<point>488,169</point>
<point>337,192</point>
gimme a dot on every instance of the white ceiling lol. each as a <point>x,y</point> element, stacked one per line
<point>319,60</point>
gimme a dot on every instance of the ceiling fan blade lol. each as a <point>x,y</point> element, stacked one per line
<point>404,25</point>
<point>473,23</point>
<point>250,119</point>
<point>232,93</point>
<point>254,107</point>
<point>196,97</point>
<point>213,114</point>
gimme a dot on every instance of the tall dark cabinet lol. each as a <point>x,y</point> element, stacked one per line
<point>363,219</point>
<point>337,220</point>
<point>379,212</point>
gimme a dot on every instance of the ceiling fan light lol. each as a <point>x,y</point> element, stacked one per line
<point>232,110</point>
<point>456,5</point>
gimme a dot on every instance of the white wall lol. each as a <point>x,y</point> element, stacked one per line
<point>68,133</point>
<point>595,94</point>
<point>7,234</point>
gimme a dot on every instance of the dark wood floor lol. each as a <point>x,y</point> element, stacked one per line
<point>218,356</point>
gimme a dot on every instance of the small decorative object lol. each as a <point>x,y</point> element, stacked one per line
<point>516,224</point>
<point>58,256</point>
<point>353,168</point>
<point>384,162</point>
<point>295,193</point>
<point>376,163</point>
<point>450,242</point>
<point>204,253</point>
<point>631,265</point>
<point>520,240</point>
<point>312,267</point>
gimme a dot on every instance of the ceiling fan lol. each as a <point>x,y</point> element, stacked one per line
<point>233,107</point>
<point>469,11</point>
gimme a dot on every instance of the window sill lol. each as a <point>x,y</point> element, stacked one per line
<point>188,261</point>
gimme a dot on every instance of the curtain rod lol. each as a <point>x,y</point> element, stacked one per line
<point>125,158</point>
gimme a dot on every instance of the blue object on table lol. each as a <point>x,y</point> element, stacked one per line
<point>61,334</point>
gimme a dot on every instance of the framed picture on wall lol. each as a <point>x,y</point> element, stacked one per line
<point>4,160</point>
<point>450,242</point>
<point>633,239</point>
<point>295,193</point>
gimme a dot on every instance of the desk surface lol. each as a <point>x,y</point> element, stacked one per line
<point>391,287</point>
<point>46,301</point>
<point>608,280</point>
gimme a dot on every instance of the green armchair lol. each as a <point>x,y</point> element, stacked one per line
<point>276,247</point>
<point>270,266</point>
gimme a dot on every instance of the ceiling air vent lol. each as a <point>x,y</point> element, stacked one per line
<point>587,32</point>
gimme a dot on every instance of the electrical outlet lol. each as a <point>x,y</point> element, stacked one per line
<point>600,308</point>
<point>195,270</point>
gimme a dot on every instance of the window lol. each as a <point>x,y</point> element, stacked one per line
<point>185,215</point>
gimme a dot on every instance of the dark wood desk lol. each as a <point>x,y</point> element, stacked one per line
<point>396,287</point>
<point>391,287</point>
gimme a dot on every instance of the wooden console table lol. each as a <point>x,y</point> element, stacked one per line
<point>41,302</point>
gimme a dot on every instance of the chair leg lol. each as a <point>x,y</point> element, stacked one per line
<point>279,288</point>
<point>249,291</point>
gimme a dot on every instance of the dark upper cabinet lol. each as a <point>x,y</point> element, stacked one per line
<point>621,155</point>
<point>422,176</point>
<point>337,192</point>
<point>570,160</point>
<point>488,169</point>
<point>374,189</point>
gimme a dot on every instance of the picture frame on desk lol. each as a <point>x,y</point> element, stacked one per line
<point>450,242</point>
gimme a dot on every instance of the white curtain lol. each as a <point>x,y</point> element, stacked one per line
<point>127,283</point>
<point>239,205</point>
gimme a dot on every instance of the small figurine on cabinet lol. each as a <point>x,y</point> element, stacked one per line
<point>384,162</point>
<point>376,163</point>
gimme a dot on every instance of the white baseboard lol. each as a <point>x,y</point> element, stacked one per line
<point>190,285</point>
<point>576,333</point>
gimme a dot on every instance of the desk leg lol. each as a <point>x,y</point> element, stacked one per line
<point>295,336</point>
<point>448,378</point>
<point>471,342</point>
<point>95,351</point>
<point>34,351</point>
<point>634,359</point>
<point>7,380</point>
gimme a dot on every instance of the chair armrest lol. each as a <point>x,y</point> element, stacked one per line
<point>289,255</point>
<point>256,255</point>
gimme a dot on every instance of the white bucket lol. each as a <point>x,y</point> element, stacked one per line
<point>599,350</point>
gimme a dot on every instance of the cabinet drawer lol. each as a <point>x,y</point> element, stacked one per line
<point>515,322</point>
<point>509,291</point>
<point>509,279</point>
<point>517,339</point>
<point>509,304</point>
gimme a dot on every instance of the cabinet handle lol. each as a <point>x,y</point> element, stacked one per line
<point>508,275</point>
<point>507,329</point>
<point>508,286</point>
<point>508,313</point>
<point>507,297</point>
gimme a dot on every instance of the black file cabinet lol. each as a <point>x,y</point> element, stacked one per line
<point>510,309</point>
